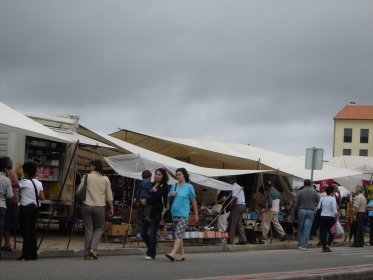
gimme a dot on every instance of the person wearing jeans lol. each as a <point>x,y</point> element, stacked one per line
<point>157,202</point>
<point>305,204</point>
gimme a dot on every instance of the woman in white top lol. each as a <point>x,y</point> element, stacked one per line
<point>31,192</point>
<point>328,218</point>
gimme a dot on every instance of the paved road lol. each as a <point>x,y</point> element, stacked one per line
<point>196,265</point>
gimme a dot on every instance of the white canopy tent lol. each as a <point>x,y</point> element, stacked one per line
<point>14,121</point>
<point>132,165</point>
<point>285,163</point>
<point>364,165</point>
<point>208,151</point>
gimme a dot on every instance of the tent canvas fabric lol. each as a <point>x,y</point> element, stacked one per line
<point>285,163</point>
<point>200,175</point>
<point>245,155</point>
<point>131,166</point>
<point>360,164</point>
<point>14,121</point>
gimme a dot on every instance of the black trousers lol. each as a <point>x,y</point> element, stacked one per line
<point>359,233</point>
<point>27,218</point>
<point>326,223</point>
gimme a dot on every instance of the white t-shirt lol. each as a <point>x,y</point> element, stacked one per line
<point>239,194</point>
<point>328,205</point>
<point>28,191</point>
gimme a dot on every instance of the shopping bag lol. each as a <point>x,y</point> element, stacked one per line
<point>339,229</point>
<point>333,229</point>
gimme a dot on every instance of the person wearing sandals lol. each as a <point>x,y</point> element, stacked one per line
<point>31,191</point>
<point>157,202</point>
<point>11,220</point>
<point>181,195</point>
<point>328,218</point>
<point>6,192</point>
<point>93,208</point>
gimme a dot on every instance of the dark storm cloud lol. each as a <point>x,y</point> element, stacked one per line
<point>269,73</point>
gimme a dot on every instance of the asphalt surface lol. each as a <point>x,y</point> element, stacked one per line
<point>196,265</point>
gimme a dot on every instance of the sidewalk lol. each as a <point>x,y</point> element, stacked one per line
<point>54,246</point>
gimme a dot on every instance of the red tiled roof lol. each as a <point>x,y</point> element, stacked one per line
<point>355,112</point>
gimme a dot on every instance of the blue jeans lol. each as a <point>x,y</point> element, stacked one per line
<point>305,220</point>
<point>148,233</point>
<point>2,222</point>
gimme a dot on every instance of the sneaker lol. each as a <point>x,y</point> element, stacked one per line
<point>149,258</point>
<point>302,248</point>
<point>263,237</point>
<point>283,238</point>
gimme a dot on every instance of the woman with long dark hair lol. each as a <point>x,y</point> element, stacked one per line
<point>93,209</point>
<point>181,194</point>
<point>157,201</point>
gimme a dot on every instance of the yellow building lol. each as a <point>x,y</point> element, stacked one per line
<point>353,131</point>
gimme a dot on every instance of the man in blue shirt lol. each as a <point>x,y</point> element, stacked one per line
<point>370,215</point>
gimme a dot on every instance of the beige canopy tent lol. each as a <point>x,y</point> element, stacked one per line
<point>124,165</point>
<point>218,154</point>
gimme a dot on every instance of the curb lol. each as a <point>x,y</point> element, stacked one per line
<point>163,250</point>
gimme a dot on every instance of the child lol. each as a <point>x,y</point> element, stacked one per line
<point>144,191</point>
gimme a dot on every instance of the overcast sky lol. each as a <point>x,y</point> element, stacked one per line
<point>269,73</point>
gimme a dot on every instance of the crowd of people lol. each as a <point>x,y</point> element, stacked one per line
<point>321,212</point>
<point>314,212</point>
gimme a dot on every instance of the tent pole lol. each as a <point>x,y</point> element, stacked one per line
<point>133,196</point>
<point>59,197</point>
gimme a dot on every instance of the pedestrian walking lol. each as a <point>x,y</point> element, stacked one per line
<point>328,218</point>
<point>305,204</point>
<point>93,208</point>
<point>270,213</point>
<point>157,201</point>
<point>181,195</point>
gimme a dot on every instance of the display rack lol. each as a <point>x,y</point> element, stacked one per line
<point>49,159</point>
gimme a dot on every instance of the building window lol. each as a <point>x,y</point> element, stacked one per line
<point>347,137</point>
<point>364,135</point>
<point>346,152</point>
<point>363,153</point>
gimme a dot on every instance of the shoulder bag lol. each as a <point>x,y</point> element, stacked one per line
<point>81,194</point>
<point>167,216</point>
<point>36,194</point>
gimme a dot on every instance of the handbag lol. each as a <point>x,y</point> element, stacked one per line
<point>333,229</point>
<point>167,215</point>
<point>81,194</point>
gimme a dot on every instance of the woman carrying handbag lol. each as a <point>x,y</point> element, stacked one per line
<point>328,218</point>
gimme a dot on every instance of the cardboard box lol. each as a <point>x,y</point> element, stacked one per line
<point>115,230</point>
